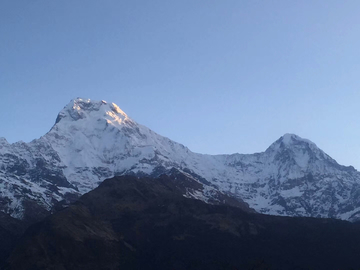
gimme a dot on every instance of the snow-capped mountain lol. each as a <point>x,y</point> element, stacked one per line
<point>95,140</point>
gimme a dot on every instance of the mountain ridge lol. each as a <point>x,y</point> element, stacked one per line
<point>133,222</point>
<point>94,140</point>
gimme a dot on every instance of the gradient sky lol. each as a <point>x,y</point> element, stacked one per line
<point>217,76</point>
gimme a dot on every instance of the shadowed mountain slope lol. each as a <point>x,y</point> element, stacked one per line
<point>146,223</point>
<point>10,231</point>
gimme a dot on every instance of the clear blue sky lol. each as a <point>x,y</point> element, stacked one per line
<point>217,76</point>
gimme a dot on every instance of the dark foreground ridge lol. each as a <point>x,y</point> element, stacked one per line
<point>145,223</point>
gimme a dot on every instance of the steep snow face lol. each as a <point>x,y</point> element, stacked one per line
<point>31,177</point>
<point>301,154</point>
<point>95,140</point>
<point>294,177</point>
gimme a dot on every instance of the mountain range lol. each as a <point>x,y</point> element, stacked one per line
<point>131,222</point>
<point>95,140</point>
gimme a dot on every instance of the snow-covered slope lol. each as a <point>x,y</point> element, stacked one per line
<point>95,140</point>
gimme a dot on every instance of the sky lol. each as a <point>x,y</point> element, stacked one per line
<point>220,77</point>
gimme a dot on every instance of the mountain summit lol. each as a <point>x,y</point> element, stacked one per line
<point>79,109</point>
<point>95,140</point>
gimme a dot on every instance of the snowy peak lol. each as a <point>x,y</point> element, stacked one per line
<point>3,141</point>
<point>292,150</point>
<point>291,140</point>
<point>294,143</point>
<point>79,109</point>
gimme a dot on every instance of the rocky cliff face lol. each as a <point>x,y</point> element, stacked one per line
<point>95,140</point>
